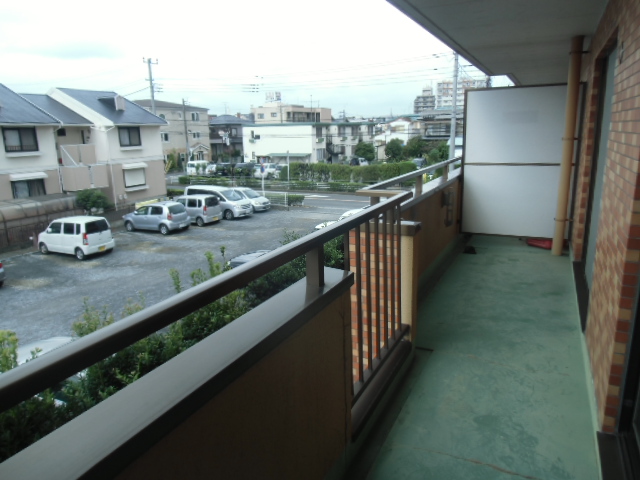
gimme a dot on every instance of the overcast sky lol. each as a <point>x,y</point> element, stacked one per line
<point>361,56</point>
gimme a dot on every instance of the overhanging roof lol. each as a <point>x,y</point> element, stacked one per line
<point>527,40</point>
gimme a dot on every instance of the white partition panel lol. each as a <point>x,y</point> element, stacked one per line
<point>512,154</point>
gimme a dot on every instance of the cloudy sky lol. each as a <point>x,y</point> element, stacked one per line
<point>361,56</point>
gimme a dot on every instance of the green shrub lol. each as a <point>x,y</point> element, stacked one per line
<point>340,173</point>
<point>295,199</point>
<point>184,180</point>
<point>92,199</point>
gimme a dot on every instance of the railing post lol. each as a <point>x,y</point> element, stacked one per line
<point>315,267</point>
<point>418,186</point>
<point>410,248</point>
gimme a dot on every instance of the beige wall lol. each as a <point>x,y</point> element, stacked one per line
<point>156,183</point>
<point>286,418</point>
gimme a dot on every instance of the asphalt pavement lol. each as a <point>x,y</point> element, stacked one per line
<point>45,294</point>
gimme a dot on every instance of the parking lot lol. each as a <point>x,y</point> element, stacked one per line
<point>44,294</point>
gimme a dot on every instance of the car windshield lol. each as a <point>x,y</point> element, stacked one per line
<point>231,195</point>
<point>250,193</point>
<point>178,208</point>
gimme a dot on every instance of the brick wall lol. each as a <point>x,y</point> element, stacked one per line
<point>617,261</point>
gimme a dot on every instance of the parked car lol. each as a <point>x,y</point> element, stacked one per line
<point>80,236</point>
<point>3,275</point>
<point>197,167</point>
<point>420,162</point>
<point>358,161</point>
<point>159,216</point>
<point>269,170</point>
<point>346,214</point>
<point>243,169</point>
<point>246,257</point>
<point>258,202</point>
<point>223,169</point>
<point>202,209</point>
<point>233,204</point>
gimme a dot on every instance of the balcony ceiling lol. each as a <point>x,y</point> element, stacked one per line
<point>527,40</point>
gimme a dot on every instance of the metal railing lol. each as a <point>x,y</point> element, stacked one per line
<point>33,377</point>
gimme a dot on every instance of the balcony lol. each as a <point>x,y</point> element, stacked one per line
<point>416,359</point>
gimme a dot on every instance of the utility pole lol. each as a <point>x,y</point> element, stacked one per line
<point>186,134</point>
<point>454,102</point>
<point>151,85</point>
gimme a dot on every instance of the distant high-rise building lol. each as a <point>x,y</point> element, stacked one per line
<point>426,101</point>
<point>444,91</point>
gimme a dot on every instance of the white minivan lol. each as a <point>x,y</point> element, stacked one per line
<point>80,236</point>
<point>233,204</point>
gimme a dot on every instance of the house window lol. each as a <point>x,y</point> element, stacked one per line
<point>261,115</point>
<point>195,116</point>
<point>134,177</point>
<point>28,188</point>
<point>195,134</point>
<point>199,155</point>
<point>318,132</point>
<point>61,132</point>
<point>20,139</point>
<point>342,131</point>
<point>274,114</point>
<point>234,132</point>
<point>164,136</point>
<point>129,136</point>
<point>319,154</point>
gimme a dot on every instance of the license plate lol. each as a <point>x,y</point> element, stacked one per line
<point>183,225</point>
<point>102,248</point>
<point>215,219</point>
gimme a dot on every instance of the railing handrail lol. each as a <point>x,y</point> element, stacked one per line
<point>31,378</point>
<point>410,175</point>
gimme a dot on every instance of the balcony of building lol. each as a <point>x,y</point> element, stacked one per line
<point>377,370</point>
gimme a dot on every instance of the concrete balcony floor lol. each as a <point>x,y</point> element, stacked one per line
<point>499,387</point>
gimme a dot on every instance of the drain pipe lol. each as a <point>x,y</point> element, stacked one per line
<point>568,141</point>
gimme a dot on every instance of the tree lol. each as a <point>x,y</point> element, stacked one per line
<point>393,150</point>
<point>415,148</point>
<point>366,151</point>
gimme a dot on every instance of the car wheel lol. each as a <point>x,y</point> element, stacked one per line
<point>129,226</point>
<point>80,254</point>
<point>228,215</point>
<point>200,222</point>
<point>43,249</point>
<point>253,209</point>
<point>164,230</point>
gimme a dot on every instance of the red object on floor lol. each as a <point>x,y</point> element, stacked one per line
<point>540,242</point>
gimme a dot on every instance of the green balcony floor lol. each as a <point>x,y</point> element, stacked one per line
<point>498,388</point>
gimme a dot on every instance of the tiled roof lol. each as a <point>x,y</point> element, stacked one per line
<point>56,109</point>
<point>104,104</point>
<point>17,110</point>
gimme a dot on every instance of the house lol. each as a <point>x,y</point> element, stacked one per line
<point>186,129</point>
<point>402,128</point>
<point>305,142</point>
<point>279,112</point>
<point>123,137</point>
<point>512,362</point>
<point>225,136</point>
<point>28,159</point>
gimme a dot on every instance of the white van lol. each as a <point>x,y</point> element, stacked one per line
<point>197,167</point>
<point>80,236</point>
<point>233,204</point>
<point>202,209</point>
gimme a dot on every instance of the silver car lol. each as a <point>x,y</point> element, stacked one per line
<point>201,208</point>
<point>160,216</point>
<point>258,202</point>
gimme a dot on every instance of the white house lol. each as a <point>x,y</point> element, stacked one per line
<point>123,138</point>
<point>28,158</point>
<point>402,128</point>
<point>305,142</point>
